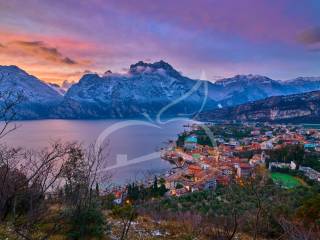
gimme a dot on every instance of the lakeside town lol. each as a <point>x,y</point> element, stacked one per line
<point>203,162</point>
<point>208,155</point>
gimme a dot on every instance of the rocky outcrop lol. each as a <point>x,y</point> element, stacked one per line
<point>303,108</point>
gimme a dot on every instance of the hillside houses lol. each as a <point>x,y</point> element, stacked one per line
<point>244,170</point>
<point>207,166</point>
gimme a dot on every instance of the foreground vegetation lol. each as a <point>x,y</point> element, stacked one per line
<point>54,194</point>
<point>35,206</point>
<point>259,208</point>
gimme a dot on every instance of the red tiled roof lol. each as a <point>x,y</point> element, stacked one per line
<point>117,194</point>
<point>223,180</point>
<point>194,167</point>
<point>245,165</point>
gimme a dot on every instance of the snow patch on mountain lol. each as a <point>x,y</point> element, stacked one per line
<point>57,88</point>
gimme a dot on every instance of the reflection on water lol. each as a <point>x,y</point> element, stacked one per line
<point>133,141</point>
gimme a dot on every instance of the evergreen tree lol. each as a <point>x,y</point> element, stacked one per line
<point>97,190</point>
<point>155,187</point>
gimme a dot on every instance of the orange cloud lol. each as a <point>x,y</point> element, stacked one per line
<point>52,59</point>
<point>56,76</point>
<point>42,51</point>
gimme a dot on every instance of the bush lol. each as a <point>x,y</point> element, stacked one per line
<point>88,222</point>
<point>179,186</point>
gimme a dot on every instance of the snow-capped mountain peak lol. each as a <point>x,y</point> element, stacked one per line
<point>12,78</point>
<point>160,67</point>
<point>240,79</point>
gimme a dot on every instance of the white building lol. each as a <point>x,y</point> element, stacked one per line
<point>266,145</point>
<point>293,165</point>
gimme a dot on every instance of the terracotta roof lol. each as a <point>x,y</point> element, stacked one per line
<point>245,165</point>
<point>194,167</point>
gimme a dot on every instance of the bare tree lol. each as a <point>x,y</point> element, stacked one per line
<point>80,172</point>
<point>225,225</point>
<point>9,102</point>
<point>256,188</point>
<point>28,177</point>
<point>11,179</point>
<point>81,196</point>
<point>127,214</point>
<point>222,228</point>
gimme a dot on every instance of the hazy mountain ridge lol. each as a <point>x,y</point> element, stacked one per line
<point>145,88</point>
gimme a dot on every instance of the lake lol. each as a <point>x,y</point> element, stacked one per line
<point>133,145</point>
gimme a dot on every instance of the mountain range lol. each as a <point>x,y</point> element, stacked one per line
<point>146,89</point>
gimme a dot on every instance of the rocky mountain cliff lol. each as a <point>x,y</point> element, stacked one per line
<point>297,108</point>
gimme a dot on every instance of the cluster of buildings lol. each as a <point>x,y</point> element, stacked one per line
<point>199,166</point>
<point>310,173</point>
<point>204,167</point>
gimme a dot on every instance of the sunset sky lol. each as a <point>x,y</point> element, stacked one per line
<point>61,40</point>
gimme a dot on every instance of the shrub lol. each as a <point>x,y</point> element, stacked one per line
<point>89,222</point>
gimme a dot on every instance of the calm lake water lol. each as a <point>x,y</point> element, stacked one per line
<point>128,140</point>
